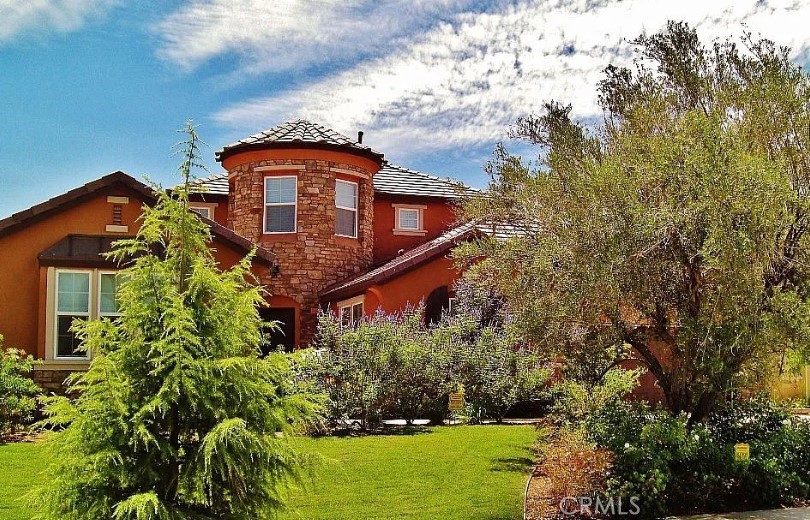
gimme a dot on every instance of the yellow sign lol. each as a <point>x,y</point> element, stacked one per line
<point>742,452</point>
<point>456,402</point>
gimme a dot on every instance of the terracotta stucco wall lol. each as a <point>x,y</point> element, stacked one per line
<point>21,283</point>
<point>410,288</point>
<point>438,216</point>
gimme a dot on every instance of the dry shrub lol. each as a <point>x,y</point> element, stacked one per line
<point>569,467</point>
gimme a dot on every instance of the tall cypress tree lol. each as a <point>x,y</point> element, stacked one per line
<point>177,417</point>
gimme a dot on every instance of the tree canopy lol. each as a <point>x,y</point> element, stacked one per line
<point>674,228</point>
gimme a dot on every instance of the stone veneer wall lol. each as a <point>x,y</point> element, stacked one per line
<point>51,381</point>
<point>314,257</point>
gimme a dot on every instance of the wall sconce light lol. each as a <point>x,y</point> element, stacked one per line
<point>275,270</point>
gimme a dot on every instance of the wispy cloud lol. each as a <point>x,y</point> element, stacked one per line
<point>465,80</point>
<point>36,16</point>
<point>292,34</point>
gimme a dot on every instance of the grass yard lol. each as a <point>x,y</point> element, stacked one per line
<point>459,473</point>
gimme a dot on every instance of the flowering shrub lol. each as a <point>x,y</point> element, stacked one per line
<point>17,391</point>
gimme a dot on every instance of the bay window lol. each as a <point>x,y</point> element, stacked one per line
<point>72,303</point>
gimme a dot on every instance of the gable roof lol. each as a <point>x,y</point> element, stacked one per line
<point>405,262</point>
<point>390,180</point>
<point>396,180</point>
<point>300,133</point>
<point>76,196</point>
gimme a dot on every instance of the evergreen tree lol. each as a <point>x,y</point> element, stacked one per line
<point>177,417</point>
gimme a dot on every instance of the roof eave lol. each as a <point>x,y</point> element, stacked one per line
<point>367,153</point>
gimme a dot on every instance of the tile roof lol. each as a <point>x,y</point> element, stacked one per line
<point>405,262</point>
<point>390,180</point>
<point>396,180</point>
<point>216,184</point>
<point>299,132</point>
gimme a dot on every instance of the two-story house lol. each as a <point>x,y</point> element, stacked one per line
<point>335,225</point>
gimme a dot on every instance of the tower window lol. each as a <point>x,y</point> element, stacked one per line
<point>346,209</point>
<point>280,204</point>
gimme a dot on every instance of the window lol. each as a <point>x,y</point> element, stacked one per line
<point>409,219</point>
<point>280,196</point>
<point>346,209</point>
<point>351,312</point>
<point>202,211</point>
<point>107,295</point>
<point>72,303</point>
<point>451,306</point>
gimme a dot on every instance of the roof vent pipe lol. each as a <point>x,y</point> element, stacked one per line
<point>360,137</point>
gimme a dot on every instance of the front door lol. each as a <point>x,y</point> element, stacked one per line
<point>283,334</point>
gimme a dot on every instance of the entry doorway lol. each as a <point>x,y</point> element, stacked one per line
<point>283,334</point>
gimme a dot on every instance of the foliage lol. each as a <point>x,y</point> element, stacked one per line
<point>677,226</point>
<point>384,366</point>
<point>177,417</point>
<point>496,369</point>
<point>392,366</point>
<point>571,466</point>
<point>18,392</point>
<point>674,469</point>
<point>575,401</point>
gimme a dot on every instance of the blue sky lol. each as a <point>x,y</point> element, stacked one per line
<point>93,86</point>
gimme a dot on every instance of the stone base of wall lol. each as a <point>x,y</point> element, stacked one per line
<point>52,381</point>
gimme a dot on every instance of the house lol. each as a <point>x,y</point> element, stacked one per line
<point>335,226</point>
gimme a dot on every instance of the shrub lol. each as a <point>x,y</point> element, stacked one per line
<point>18,392</point>
<point>675,469</point>
<point>571,466</point>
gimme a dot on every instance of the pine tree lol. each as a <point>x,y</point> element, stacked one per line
<point>177,417</point>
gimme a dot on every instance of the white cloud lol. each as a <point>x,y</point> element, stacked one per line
<point>26,16</point>
<point>464,81</point>
<point>291,34</point>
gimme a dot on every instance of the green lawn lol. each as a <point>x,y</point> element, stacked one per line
<point>459,473</point>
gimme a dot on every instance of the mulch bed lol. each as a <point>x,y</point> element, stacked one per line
<point>20,436</point>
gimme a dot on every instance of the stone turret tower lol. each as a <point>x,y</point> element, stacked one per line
<point>305,192</point>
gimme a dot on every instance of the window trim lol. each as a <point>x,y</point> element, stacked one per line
<point>356,210</point>
<point>265,204</point>
<point>420,209</point>
<point>56,313</point>
<point>350,304</point>
<point>209,207</point>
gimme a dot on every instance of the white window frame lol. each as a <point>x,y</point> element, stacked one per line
<point>351,304</point>
<point>451,305</point>
<point>266,204</point>
<point>355,210</point>
<point>57,313</point>
<point>208,207</point>
<point>420,219</point>
<point>99,312</point>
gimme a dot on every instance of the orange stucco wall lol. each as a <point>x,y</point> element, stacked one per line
<point>22,285</point>
<point>437,217</point>
<point>410,288</point>
<point>23,281</point>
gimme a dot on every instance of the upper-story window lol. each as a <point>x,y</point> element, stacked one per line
<point>409,219</point>
<point>346,209</point>
<point>203,211</point>
<point>280,204</point>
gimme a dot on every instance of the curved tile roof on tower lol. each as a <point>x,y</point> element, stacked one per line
<point>299,132</point>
